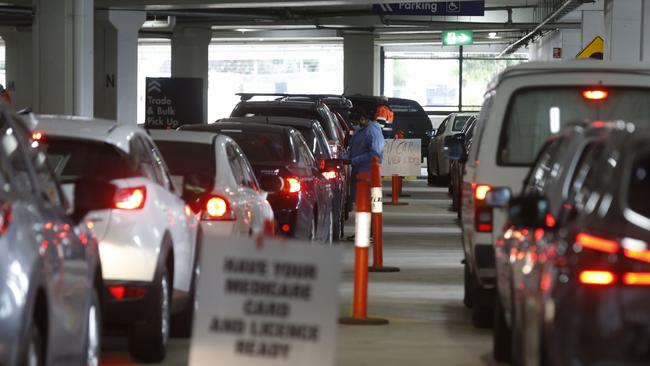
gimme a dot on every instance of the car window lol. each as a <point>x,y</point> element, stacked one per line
<point>235,165</point>
<point>459,123</point>
<point>141,159</point>
<point>160,168</point>
<point>536,113</point>
<point>187,158</point>
<point>442,127</point>
<point>638,194</point>
<point>541,170</point>
<point>305,157</point>
<point>591,173</point>
<point>248,177</point>
<point>333,120</point>
<point>262,147</point>
<point>16,160</point>
<point>480,126</point>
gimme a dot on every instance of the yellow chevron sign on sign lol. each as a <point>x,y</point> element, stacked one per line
<point>595,49</point>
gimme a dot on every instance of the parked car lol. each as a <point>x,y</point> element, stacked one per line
<point>524,105</point>
<point>437,163</point>
<point>50,272</point>
<point>147,237</point>
<point>573,264</point>
<point>409,115</point>
<point>457,167</point>
<point>285,107</point>
<point>302,203</point>
<point>313,133</point>
<point>216,181</point>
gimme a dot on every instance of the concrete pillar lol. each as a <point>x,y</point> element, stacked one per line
<point>19,66</point>
<point>116,64</point>
<point>190,56</point>
<point>63,57</point>
<point>626,29</point>
<point>593,25</point>
<point>360,64</point>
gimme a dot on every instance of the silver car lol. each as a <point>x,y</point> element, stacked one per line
<point>437,164</point>
<point>49,269</point>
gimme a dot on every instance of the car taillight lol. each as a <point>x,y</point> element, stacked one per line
<point>600,278</point>
<point>637,279</point>
<point>5,217</point>
<point>218,208</point>
<point>126,292</point>
<point>291,185</point>
<point>597,243</point>
<point>550,220</point>
<point>639,255</point>
<point>330,175</point>
<point>482,213</point>
<point>595,94</point>
<point>38,136</point>
<point>130,198</point>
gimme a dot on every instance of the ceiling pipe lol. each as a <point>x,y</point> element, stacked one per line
<point>567,6</point>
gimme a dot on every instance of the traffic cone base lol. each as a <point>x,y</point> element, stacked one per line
<point>366,321</point>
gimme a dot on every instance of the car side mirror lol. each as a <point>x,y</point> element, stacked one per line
<point>91,195</point>
<point>271,183</point>
<point>498,197</point>
<point>528,211</point>
<point>454,146</point>
<point>430,133</point>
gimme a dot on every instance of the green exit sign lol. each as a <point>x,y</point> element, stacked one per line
<point>457,38</point>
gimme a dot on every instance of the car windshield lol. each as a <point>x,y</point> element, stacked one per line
<point>186,158</point>
<point>459,123</point>
<point>262,147</point>
<point>536,113</point>
<point>72,159</point>
<point>639,190</point>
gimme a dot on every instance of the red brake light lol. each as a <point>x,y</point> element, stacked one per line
<point>130,198</point>
<point>640,255</point>
<point>37,136</point>
<point>595,94</point>
<point>124,292</point>
<point>291,185</point>
<point>330,175</point>
<point>286,228</point>
<point>550,220</point>
<point>637,279</point>
<point>600,278</point>
<point>481,191</point>
<point>218,209</point>
<point>597,243</point>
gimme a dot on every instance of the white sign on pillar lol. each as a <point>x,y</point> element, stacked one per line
<point>269,304</point>
<point>401,157</point>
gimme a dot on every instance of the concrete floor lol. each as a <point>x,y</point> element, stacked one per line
<point>428,323</point>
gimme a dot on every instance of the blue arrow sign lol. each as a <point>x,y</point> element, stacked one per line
<point>440,8</point>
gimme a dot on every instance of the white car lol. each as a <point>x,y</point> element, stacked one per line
<point>524,105</point>
<point>217,181</point>
<point>147,241</point>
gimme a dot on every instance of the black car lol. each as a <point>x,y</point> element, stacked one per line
<point>302,204</point>
<point>573,264</point>
<point>313,133</point>
<point>285,107</point>
<point>409,117</point>
<point>457,167</point>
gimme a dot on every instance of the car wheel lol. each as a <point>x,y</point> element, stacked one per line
<point>148,341</point>
<point>336,227</point>
<point>93,331</point>
<point>34,353</point>
<point>501,333</point>
<point>482,307</point>
<point>467,288</point>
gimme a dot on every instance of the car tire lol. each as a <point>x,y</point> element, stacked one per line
<point>93,345</point>
<point>501,334</point>
<point>336,226</point>
<point>148,341</point>
<point>34,355</point>
<point>482,307</point>
<point>467,288</point>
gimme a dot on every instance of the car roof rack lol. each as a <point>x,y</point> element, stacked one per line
<point>317,98</point>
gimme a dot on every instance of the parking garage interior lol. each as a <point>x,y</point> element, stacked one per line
<point>93,58</point>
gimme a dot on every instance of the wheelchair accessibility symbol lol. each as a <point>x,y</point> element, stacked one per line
<point>453,7</point>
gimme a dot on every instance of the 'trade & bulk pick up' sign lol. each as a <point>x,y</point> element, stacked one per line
<point>173,102</point>
<point>401,157</point>
<point>274,304</point>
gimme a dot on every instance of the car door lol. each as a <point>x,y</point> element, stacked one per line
<point>67,272</point>
<point>180,222</point>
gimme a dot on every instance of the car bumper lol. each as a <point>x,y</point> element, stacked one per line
<point>596,325</point>
<point>121,313</point>
<point>214,230</point>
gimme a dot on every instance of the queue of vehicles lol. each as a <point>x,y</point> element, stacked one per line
<point>552,181</point>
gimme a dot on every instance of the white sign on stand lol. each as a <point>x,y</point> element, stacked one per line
<point>401,157</point>
<point>272,304</point>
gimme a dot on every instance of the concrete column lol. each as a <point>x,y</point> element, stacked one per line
<point>19,64</point>
<point>625,22</point>
<point>190,56</point>
<point>593,25</point>
<point>116,64</point>
<point>63,57</point>
<point>359,64</point>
